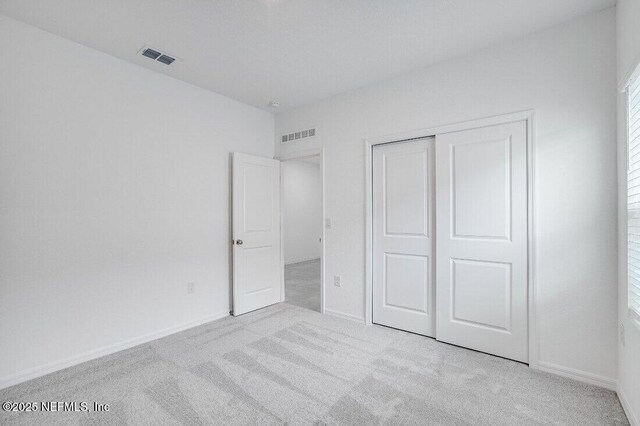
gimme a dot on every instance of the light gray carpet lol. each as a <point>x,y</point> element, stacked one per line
<point>284,364</point>
<point>302,284</point>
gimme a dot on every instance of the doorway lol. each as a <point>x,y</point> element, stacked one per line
<point>302,221</point>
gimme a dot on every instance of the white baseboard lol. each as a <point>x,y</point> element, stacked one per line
<point>32,373</point>
<point>302,259</point>
<point>581,376</point>
<point>633,418</point>
<point>344,316</point>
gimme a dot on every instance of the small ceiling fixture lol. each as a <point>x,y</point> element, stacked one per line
<point>274,104</point>
<point>156,55</point>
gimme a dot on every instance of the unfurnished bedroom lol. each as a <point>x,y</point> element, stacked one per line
<point>320,212</point>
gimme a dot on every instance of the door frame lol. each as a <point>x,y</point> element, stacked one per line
<point>299,155</point>
<point>528,116</point>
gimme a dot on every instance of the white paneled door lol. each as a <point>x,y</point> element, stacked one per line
<point>403,293</point>
<point>256,233</point>
<point>481,244</point>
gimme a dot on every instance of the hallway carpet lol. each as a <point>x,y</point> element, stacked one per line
<point>302,284</point>
<point>288,365</point>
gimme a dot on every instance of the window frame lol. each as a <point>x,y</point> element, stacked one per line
<point>633,85</point>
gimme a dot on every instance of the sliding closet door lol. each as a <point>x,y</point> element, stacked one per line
<point>481,209</point>
<point>403,235</point>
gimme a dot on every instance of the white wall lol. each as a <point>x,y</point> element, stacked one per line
<point>114,195</point>
<point>567,75</point>
<point>628,15</point>
<point>302,210</point>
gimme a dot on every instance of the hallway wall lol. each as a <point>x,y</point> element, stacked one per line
<point>302,210</point>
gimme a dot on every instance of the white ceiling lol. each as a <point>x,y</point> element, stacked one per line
<point>292,51</point>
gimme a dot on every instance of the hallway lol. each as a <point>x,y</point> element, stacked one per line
<point>302,284</point>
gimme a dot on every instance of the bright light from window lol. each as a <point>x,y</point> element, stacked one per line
<point>633,198</point>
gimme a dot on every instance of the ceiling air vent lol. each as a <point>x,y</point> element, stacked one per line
<point>157,55</point>
<point>302,134</point>
<point>150,53</point>
<point>167,60</point>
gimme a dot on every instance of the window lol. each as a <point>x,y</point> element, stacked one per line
<point>633,198</point>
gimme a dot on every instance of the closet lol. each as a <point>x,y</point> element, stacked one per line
<point>449,238</point>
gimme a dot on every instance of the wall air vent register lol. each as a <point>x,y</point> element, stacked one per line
<point>295,136</point>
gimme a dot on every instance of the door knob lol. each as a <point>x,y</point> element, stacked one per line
<point>239,242</point>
